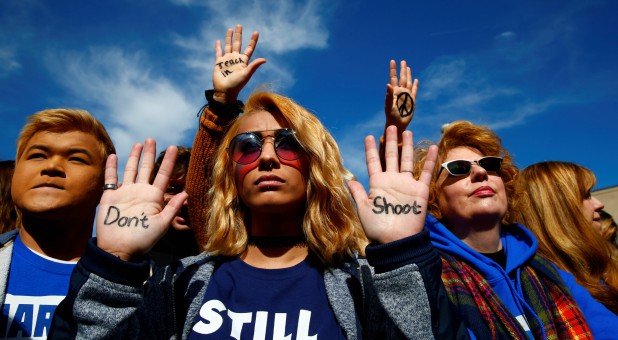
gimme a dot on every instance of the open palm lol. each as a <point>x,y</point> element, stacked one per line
<point>400,100</point>
<point>396,206</point>
<point>232,68</point>
<point>131,219</point>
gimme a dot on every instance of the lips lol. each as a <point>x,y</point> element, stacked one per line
<point>269,181</point>
<point>484,191</point>
<point>48,185</point>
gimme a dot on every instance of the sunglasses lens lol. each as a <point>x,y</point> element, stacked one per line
<point>287,146</point>
<point>459,167</point>
<point>245,148</point>
<point>491,163</point>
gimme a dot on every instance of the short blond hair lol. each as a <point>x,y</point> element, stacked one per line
<point>65,120</point>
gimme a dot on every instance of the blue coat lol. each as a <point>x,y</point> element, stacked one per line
<point>520,246</point>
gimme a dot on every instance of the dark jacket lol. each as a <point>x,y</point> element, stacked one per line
<point>402,298</point>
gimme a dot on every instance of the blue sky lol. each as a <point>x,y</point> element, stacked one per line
<point>542,74</point>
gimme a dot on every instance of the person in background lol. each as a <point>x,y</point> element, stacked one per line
<point>179,241</point>
<point>556,205</point>
<point>57,185</point>
<point>8,213</point>
<point>608,228</point>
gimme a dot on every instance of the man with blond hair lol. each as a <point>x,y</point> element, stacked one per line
<point>57,184</point>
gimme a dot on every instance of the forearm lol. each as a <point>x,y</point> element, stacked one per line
<point>207,140</point>
<point>103,298</point>
<point>409,286</point>
<point>399,284</point>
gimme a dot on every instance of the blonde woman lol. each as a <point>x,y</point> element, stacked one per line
<point>556,205</point>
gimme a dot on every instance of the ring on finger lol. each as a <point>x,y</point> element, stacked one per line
<point>110,186</point>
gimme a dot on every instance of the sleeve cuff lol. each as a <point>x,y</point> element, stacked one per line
<point>413,249</point>
<point>226,111</point>
<point>112,268</point>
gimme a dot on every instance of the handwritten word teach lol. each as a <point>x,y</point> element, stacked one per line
<point>113,217</point>
<point>228,63</point>
<point>382,206</point>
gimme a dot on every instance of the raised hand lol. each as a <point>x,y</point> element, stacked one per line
<point>232,68</point>
<point>400,100</point>
<point>396,206</point>
<point>131,219</point>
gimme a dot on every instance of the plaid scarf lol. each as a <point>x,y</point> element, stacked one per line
<point>484,313</point>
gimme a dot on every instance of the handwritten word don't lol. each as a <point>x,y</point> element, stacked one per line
<point>113,217</point>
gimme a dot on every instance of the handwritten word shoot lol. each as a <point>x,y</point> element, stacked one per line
<point>383,207</point>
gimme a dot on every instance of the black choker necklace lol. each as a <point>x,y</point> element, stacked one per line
<point>278,242</point>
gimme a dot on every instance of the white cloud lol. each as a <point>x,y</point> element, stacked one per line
<point>508,35</point>
<point>441,76</point>
<point>133,102</point>
<point>16,31</point>
<point>136,102</point>
<point>480,86</point>
<point>289,26</point>
<point>284,27</point>
<point>517,75</point>
<point>8,61</point>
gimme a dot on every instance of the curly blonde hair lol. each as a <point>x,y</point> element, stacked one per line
<point>330,222</point>
<point>550,205</point>
<point>482,138</point>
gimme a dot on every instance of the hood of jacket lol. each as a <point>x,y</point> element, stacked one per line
<point>519,245</point>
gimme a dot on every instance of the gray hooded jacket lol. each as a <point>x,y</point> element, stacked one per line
<point>402,298</point>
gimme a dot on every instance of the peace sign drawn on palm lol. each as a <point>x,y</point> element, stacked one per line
<point>400,100</point>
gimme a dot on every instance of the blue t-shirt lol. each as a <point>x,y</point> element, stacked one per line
<point>36,285</point>
<point>244,302</point>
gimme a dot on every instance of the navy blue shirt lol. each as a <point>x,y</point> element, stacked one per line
<point>244,302</point>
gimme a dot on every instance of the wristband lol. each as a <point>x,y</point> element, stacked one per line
<point>223,110</point>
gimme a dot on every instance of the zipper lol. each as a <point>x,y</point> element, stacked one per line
<point>178,332</point>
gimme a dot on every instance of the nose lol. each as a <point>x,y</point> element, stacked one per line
<point>268,158</point>
<point>54,167</point>
<point>477,173</point>
<point>597,204</point>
